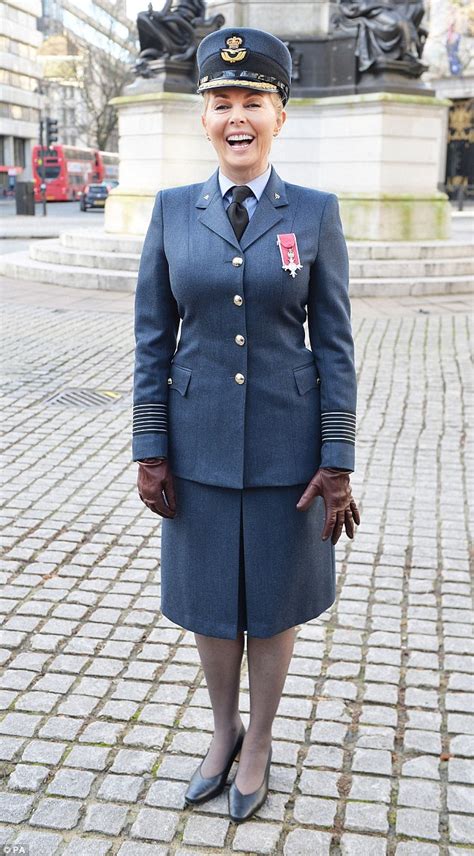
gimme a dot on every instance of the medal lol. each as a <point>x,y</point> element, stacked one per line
<point>289,253</point>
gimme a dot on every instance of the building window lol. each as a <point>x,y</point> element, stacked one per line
<point>19,152</point>
<point>2,151</point>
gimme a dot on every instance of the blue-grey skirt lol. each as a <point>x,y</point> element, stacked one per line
<point>244,559</point>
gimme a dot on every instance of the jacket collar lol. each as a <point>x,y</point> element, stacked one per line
<point>265,216</point>
<point>257,185</point>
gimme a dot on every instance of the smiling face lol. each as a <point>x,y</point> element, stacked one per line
<point>241,125</point>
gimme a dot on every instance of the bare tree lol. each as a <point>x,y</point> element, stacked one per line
<point>101,77</point>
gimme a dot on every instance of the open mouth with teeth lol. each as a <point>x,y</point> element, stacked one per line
<point>240,141</point>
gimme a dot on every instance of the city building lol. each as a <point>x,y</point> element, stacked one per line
<point>61,64</point>
<point>20,100</point>
<point>86,43</point>
<point>45,52</point>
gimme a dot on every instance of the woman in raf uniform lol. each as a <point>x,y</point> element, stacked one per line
<point>243,435</point>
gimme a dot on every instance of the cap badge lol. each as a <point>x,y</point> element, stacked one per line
<point>234,52</point>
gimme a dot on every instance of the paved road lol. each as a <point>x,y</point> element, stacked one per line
<point>16,232</point>
<point>55,209</point>
<point>105,712</point>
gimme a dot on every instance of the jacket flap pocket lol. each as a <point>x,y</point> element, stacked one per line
<point>179,378</point>
<point>306,377</point>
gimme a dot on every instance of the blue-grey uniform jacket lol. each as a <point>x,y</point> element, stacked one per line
<point>237,399</point>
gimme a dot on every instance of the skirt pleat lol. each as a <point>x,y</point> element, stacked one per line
<point>236,560</point>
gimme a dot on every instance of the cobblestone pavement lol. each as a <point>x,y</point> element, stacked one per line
<point>105,713</point>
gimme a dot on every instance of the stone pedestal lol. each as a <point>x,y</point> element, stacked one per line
<point>382,153</point>
<point>161,144</point>
<point>301,18</point>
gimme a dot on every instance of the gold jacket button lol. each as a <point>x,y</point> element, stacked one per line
<point>238,300</point>
<point>239,378</point>
<point>170,380</point>
<point>237,261</point>
<point>239,339</point>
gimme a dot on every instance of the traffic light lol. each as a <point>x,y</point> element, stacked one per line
<point>51,132</point>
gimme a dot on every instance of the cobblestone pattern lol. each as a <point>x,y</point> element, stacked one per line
<point>104,708</point>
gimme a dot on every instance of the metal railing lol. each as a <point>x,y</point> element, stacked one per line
<point>458,194</point>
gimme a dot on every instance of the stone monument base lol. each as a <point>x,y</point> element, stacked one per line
<point>395,218</point>
<point>161,144</point>
<point>382,153</point>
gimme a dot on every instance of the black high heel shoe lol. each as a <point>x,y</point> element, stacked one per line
<point>242,806</point>
<point>202,788</point>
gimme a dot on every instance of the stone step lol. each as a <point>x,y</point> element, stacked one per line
<point>462,223</point>
<point>55,253</point>
<point>389,287</point>
<point>358,250</point>
<point>402,268</point>
<point>94,240</point>
<point>408,250</point>
<point>19,265</point>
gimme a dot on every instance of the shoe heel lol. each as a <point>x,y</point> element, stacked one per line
<point>202,788</point>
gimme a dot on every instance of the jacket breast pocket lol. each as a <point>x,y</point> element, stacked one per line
<point>179,378</point>
<point>306,378</point>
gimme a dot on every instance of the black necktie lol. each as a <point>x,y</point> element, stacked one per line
<point>237,213</point>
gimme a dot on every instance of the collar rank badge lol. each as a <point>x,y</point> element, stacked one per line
<point>289,253</point>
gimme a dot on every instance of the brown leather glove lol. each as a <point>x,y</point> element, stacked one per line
<point>335,488</point>
<point>156,486</point>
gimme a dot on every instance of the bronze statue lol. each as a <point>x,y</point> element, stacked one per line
<point>389,33</point>
<point>173,33</point>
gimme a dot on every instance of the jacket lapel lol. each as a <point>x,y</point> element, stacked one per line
<point>265,216</point>
<point>214,215</point>
<point>269,210</point>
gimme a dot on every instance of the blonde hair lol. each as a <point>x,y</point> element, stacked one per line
<point>275,98</point>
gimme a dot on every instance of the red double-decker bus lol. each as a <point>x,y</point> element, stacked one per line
<point>67,169</point>
<point>108,166</point>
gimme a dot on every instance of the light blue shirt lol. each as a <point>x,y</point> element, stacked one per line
<point>257,184</point>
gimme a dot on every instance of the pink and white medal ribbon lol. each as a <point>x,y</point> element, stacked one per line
<point>289,253</point>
